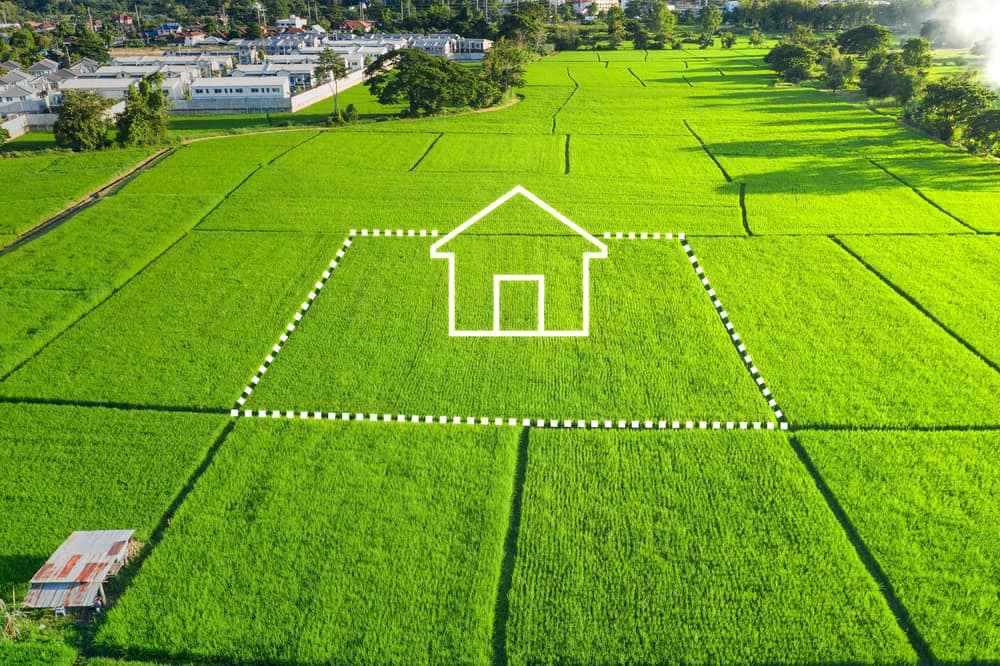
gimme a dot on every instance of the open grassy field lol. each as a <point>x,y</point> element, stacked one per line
<point>766,433</point>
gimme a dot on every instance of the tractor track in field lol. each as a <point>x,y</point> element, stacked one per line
<point>899,611</point>
<point>915,303</point>
<point>86,202</point>
<point>920,194</point>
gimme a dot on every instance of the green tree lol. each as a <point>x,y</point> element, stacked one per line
<point>802,35</point>
<point>505,63</point>
<point>711,19</point>
<point>4,136</point>
<point>865,39</point>
<point>728,40</point>
<point>917,54</point>
<point>330,66</point>
<point>426,83</point>
<point>983,132</point>
<point>89,45</point>
<point>792,62</point>
<point>81,124</point>
<point>662,21</point>
<point>888,75</point>
<point>144,121</point>
<point>615,20</point>
<point>756,38</point>
<point>950,104</point>
<point>841,70</point>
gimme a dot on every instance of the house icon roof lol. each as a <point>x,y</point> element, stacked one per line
<point>595,250</point>
<point>600,250</point>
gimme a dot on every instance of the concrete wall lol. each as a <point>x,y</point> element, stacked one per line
<point>16,126</point>
<point>207,107</point>
<point>325,90</point>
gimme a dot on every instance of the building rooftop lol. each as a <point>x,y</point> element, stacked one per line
<point>73,575</point>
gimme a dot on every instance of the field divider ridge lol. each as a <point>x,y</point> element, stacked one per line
<point>427,152</point>
<point>704,146</point>
<point>566,170</point>
<point>501,607</point>
<point>641,82</point>
<point>920,194</point>
<point>86,202</point>
<point>290,327</point>
<point>915,303</point>
<point>576,86</point>
<point>871,564</point>
<point>743,209</point>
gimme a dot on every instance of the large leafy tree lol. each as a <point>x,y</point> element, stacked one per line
<point>917,53</point>
<point>793,62</point>
<point>331,67</point>
<point>425,82</point>
<point>865,39</point>
<point>81,124</point>
<point>662,21</point>
<point>983,132</point>
<point>505,63</point>
<point>144,121</point>
<point>951,104</point>
<point>711,19</point>
<point>888,75</point>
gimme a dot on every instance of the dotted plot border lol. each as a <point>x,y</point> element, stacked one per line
<point>238,409</point>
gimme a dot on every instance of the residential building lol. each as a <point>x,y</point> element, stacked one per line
<point>292,21</point>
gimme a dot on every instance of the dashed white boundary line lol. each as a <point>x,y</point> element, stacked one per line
<point>238,409</point>
<point>583,424</point>
<point>290,328</point>
<point>734,336</point>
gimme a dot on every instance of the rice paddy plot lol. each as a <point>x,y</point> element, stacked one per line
<point>837,345</point>
<point>656,348</point>
<point>957,279</point>
<point>188,331</point>
<point>686,547</point>
<point>467,153</point>
<point>396,560</point>
<point>809,195</point>
<point>925,503</point>
<point>72,468</point>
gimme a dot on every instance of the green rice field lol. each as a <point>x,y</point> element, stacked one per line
<point>726,392</point>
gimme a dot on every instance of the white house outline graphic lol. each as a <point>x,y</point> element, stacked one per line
<point>541,331</point>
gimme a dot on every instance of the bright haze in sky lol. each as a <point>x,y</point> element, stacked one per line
<point>973,21</point>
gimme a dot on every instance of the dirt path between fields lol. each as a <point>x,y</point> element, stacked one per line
<point>85,202</point>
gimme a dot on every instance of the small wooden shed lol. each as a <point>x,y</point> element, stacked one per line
<point>74,575</point>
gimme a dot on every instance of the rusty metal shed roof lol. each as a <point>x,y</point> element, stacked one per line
<point>72,576</point>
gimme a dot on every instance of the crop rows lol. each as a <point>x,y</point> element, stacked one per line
<point>396,559</point>
<point>35,188</point>
<point>49,283</point>
<point>653,352</point>
<point>686,548</point>
<point>925,503</point>
<point>77,469</point>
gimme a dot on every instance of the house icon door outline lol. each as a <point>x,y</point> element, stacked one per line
<point>600,252</point>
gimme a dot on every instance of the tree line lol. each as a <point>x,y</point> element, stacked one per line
<point>957,109</point>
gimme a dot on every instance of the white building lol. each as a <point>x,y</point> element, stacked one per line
<point>292,21</point>
<point>237,87</point>
<point>301,76</point>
